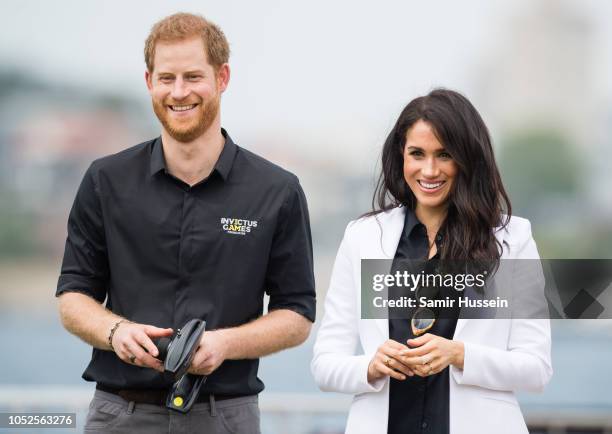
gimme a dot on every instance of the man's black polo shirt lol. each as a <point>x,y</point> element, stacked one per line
<point>161,252</point>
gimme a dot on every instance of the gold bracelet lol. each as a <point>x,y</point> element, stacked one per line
<point>112,333</point>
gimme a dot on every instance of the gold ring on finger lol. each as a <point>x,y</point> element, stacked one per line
<point>132,359</point>
<point>388,362</point>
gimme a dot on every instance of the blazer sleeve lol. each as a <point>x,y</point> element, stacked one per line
<point>526,364</point>
<point>335,365</point>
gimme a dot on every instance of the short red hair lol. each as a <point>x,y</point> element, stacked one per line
<point>182,26</point>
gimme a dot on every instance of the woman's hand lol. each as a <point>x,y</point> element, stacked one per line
<point>387,362</point>
<point>432,354</point>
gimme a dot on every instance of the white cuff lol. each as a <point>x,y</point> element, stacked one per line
<point>376,385</point>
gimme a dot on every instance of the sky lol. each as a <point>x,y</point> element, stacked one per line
<point>333,75</point>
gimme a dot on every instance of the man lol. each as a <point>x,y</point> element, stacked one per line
<point>187,225</point>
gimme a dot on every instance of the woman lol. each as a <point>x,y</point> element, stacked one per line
<point>439,196</point>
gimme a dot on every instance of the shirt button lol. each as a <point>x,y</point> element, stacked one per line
<point>424,425</point>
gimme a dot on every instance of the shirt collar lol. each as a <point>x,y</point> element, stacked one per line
<point>222,167</point>
<point>411,222</point>
<point>158,162</point>
<point>226,159</point>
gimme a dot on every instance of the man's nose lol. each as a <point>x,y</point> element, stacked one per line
<point>179,89</point>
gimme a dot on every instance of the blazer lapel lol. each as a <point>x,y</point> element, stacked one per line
<point>461,322</point>
<point>392,224</point>
<point>471,294</point>
<point>392,232</point>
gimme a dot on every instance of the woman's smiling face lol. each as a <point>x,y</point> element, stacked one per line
<point>429,170</point>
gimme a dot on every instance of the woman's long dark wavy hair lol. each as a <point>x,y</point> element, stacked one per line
<point>477,200</point>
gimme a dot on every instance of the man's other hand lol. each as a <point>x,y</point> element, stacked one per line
<point>210,354</point>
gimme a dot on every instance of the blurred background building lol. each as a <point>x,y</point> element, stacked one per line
<point>315,87</point>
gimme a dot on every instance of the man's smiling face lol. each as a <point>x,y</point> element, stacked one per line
<point>185,89</point>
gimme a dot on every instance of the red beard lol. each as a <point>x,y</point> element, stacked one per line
<point>186,132</point>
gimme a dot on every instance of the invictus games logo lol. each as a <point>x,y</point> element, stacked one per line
<point>237,226</point>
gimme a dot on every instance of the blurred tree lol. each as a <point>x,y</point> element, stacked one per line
<point>17,235</point>
<point>540,170</point>
<point>13,80</point>
<point>538,165</point>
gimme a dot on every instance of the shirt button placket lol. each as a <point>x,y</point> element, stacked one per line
<point>188,235</point>
<point>184,259</point>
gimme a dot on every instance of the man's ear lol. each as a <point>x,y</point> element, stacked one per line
<point>149,81</point>
<point>223,77</point>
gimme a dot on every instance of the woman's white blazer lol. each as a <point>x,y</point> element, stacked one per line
<point>502,356</point>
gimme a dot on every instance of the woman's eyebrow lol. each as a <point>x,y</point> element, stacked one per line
<point>417,148</point>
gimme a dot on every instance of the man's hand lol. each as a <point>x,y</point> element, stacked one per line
<point>210,354</point>
<point>432,354</point>
<point>267,334</point>
<point>132,343</point>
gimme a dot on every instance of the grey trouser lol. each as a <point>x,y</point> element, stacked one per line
<point>109,413</point>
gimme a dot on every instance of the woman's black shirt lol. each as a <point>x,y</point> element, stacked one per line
<point>419,405</point>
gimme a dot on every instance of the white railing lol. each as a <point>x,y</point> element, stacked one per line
<point>286,413</point>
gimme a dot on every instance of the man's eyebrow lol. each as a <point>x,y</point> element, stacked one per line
<point>193,71</point>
